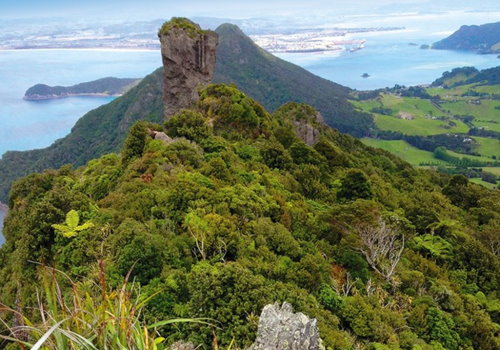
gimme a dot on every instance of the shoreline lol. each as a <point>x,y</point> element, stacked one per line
<point>55,97</point>
<point>96,49</point>
<point>4,207</point>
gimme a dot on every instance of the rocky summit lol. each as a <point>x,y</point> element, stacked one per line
<point>188,55</point>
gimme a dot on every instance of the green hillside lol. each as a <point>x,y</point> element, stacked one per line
<point>405,151</point>
<point>459,112</point>
<point>483,39</point>
<point>273,82</point>
<point>237,212</point>
<point>263,76</point>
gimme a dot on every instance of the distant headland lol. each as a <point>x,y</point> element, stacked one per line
<point>484,39</point>
<point>101,87</point>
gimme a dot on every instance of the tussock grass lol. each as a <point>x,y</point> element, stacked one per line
<point>90,317</point>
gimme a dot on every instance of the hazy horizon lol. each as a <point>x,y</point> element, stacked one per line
<point>128,10</point>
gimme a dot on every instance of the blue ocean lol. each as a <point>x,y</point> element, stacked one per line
<point>388,58</point>
<point>35,124</point>
<point>27,125</point>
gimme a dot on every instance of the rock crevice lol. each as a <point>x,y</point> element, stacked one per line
<point>188,55</point>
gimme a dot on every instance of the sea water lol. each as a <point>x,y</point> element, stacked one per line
<point>35,124</point>
<point>28,125</point>
<point>388,58</point>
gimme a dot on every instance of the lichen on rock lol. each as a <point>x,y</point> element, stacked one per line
<point>282,329</point>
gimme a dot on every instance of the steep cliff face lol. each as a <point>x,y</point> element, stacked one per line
<point>188,55</point>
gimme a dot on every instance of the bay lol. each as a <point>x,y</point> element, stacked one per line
<point>35,124</point>
<point>28,125</point>
<point>388,59</point>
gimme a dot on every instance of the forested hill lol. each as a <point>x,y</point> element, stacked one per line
<point>273,82</point>
<point>263,76</point>
<point>468,75</point>
<point>231,210</point>
<point>484,38</point>
<point>101,87</point>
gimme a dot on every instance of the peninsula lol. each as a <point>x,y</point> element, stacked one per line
<point>484,39</point>
<point>101,87</point>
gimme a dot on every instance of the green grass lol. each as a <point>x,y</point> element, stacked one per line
<point>418,126</point>
<point>451,93</point>
<point>489,89</point>
<point>487,147</point>
<point>90,318</point>
<point>468,156</point>
<point>415,106</point>
<point>366,105</point>
<point>493,170</point>
<point>484,183</point>
<point>421,111</point>
<point>404,151</point>
<point>485,113</point>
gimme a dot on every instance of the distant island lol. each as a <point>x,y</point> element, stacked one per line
<point>484,39</point>
<point>101,87</point>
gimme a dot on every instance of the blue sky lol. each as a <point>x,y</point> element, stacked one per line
<point>151,9</point>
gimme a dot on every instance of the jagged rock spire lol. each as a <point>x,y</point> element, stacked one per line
<point>282,329</point>
<point>188,55</point>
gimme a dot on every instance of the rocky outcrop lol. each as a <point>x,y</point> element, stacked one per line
<point>188,55</point>
<point>306,121</point>
<point>182,346</point>
<point>159,135</point>
<point>282,329</point>
<point>307,132</point>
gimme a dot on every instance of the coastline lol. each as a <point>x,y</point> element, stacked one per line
<point>98,49</point>
<point>54,97</point>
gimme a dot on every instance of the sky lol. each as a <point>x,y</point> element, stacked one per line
<point>152,9</point>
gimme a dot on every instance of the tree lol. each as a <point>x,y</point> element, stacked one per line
<point>189,124</point>
<point>490,235</point>
<point>382,247</point>
<point>355,185</point>
<point>134,144</point>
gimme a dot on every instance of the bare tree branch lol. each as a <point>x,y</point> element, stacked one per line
<point>382,247</point>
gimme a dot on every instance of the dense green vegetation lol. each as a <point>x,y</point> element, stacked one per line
<point>105,86</point>
<point>273,82</point>
<point>483,39</point>
<point>238,212</point>
<point>266,78</point>
<point>181,23</point>
<point>98,132</point>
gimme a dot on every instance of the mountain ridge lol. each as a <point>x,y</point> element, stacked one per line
<point>232,211</point>
<point>103,130</point>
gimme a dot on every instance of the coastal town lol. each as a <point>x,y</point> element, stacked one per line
<point>320,40</point>
<point>143,36</point>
